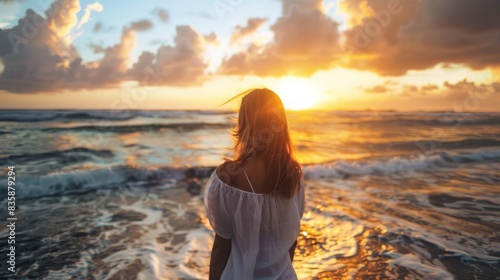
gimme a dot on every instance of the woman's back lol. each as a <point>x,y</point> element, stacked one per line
<point>232,174</point>
<point>262,227</point>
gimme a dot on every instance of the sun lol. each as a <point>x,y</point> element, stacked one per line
<point>297,93</point>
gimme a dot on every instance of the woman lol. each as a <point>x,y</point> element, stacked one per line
<point>255,200</point>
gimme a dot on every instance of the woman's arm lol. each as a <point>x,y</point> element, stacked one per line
<point>291,251</point>
<point>220,254</point>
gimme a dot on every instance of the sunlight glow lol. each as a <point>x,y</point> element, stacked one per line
<point>297,93</point>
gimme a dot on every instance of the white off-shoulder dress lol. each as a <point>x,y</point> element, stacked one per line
<point>262,228</point>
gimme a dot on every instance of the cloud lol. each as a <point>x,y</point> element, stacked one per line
<point>305,41</point>
<point>38,57</point>
<point>162,14</point>
<point>461,91</point>
<point>461,85</point>
<point>386,37</point>
<point>411,90</point>
<point>61,18</point>
<point>37,52</point>
<point>114,65</point>
<point>460,96</point>
<point>179,65</point>
<point>96,48</point>
<point>252,25</point>
<point>415,35</point>
<point>98,26</point>
<point>211,38</point>
<point>469,93</point>
<point>96,6</point>
<point>141,25</point>
<point>429,87</point>
<point>377,89</point>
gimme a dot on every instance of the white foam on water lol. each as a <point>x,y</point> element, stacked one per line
<point>425,269</point>
<point>83,181</point>
<point>196,253</point>
<point>398,166</point>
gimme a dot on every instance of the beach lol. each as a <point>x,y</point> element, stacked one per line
<point>119,194</point>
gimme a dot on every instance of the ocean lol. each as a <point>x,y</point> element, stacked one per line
<point>118,194</point>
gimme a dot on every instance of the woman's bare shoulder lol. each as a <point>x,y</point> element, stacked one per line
<point>227,170</point>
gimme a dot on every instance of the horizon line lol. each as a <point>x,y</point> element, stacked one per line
<point>225,110</point>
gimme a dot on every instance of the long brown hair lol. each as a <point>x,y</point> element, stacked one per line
<point>262,131</point>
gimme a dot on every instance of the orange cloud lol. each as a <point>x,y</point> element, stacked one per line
<point>305,40</point>
<point>252,25</point>
<point>415,35</point>
<point>377,89</point>
<point>385,37</point>
<point>388,37</point>
<point>463,90</point>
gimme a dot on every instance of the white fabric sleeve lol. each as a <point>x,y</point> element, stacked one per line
<point>216,208</point>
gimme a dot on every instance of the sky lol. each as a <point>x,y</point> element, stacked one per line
<point>196,54</point>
